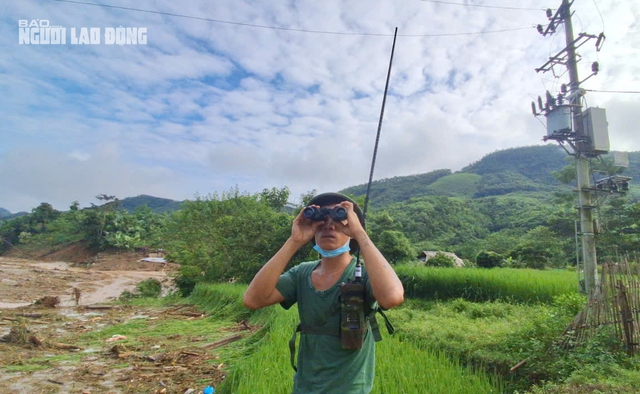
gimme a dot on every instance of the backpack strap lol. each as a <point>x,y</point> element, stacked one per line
<point>335,307</point>
<point>292,346</point>
<point>373,322</point>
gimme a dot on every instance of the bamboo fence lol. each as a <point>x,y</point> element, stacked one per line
<point>615,303</point>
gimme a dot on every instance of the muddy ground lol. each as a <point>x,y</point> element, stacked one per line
<point>72,345</point>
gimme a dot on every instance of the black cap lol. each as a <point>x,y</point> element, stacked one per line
<point>325,199</point>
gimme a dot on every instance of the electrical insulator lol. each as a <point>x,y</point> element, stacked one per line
<point>551,102</point>
<point>600,41</point>
<point>595,67</point>
<point>563,88</point>
<point>540,30</point>
<point>540,104</point>
<point>549,13</point>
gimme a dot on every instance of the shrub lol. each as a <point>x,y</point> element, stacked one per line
<point>148,288</point>
<point>440,260</point>
<point>487,259</point>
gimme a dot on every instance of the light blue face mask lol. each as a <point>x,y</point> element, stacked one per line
<point>333,253</point>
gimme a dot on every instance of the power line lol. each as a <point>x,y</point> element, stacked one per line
<point>613,91</point>
<point>459,34</point>
<point>287,28</point>
<point>482,5</point>
<point>599,13</point>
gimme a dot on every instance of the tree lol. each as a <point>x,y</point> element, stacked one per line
<point>539,248</point>
<point>41,216</point>
<point>395,247</point>
<point>222,238</point>
<point>389,238</point>
<point>488,259</point>
<point>97,219</point>
<point>305,198</point>
<point>275,198</point>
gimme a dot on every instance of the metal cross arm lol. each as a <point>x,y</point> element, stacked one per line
<point>562,56</point>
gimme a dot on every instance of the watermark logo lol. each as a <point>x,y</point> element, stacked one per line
<point>41,32</point>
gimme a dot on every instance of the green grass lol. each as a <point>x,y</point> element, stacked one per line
<point>267,366</point>
<point>134,330</point>
<point>27,367</point>
<point>491,336</point>
<point>40,363</point>
<point>512,285</point>
<point>264,367</point>
<point>403,367</point>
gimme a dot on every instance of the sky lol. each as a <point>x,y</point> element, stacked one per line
<point>253,94</point>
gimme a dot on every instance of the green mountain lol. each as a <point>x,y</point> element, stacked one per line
<point>505,202</point>
<point>157,204</point>
<point>532,162</point>
<point>4,213</point>
<point>516,170</point>
<point>400,188</point>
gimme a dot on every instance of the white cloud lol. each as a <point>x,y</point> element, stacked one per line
<point>206,106</point>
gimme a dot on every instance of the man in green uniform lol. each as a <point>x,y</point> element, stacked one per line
<point>324,365</point>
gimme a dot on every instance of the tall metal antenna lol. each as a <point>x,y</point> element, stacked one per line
<point>375,149</point>
<point>358,273</point>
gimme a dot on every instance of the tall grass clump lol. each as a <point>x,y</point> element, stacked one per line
<point>402,367</point>
<point>223,300</point>
<point>267,366</point>
<point>263,365</point>
<point>478,285</point>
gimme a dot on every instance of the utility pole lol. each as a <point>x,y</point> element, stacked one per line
<point>582,163</point>
<point>566,123</point>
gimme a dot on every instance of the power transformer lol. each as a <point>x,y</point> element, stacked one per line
<point>559,120</point>
<point>595,127</point>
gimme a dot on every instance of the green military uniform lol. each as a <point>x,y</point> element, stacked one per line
<point>323,365</point>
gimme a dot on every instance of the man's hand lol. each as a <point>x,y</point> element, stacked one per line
<point>350,227</point>
<point>303,229</point>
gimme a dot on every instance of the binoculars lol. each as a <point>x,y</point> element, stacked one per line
<point>315,214</point>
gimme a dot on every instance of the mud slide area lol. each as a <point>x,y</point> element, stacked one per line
<point>25,281</point>
<point>88,345</point>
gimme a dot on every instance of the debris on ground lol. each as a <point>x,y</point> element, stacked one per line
<point>49,301</point>
<point>60,349</point>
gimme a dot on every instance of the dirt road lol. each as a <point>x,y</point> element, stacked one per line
<point>24,281</point>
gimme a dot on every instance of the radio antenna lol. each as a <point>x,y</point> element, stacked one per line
<point>358,273</point>
<point>375,149</point>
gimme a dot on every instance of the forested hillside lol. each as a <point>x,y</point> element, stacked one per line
<point>510,202</point>
<point>525,169</point>
<point>399,188</point>
<point>156,204</point>
<point>7,215</point>
<point>4,213</point>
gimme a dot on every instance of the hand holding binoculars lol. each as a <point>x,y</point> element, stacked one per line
<point>316,214</point>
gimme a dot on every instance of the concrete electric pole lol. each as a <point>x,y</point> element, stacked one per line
<point>582,163</point>
<point>585,132</point>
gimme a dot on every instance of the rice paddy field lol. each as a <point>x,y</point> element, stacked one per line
<point>512,285</point>
<point>459,331</point>
<point>402,366</point>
